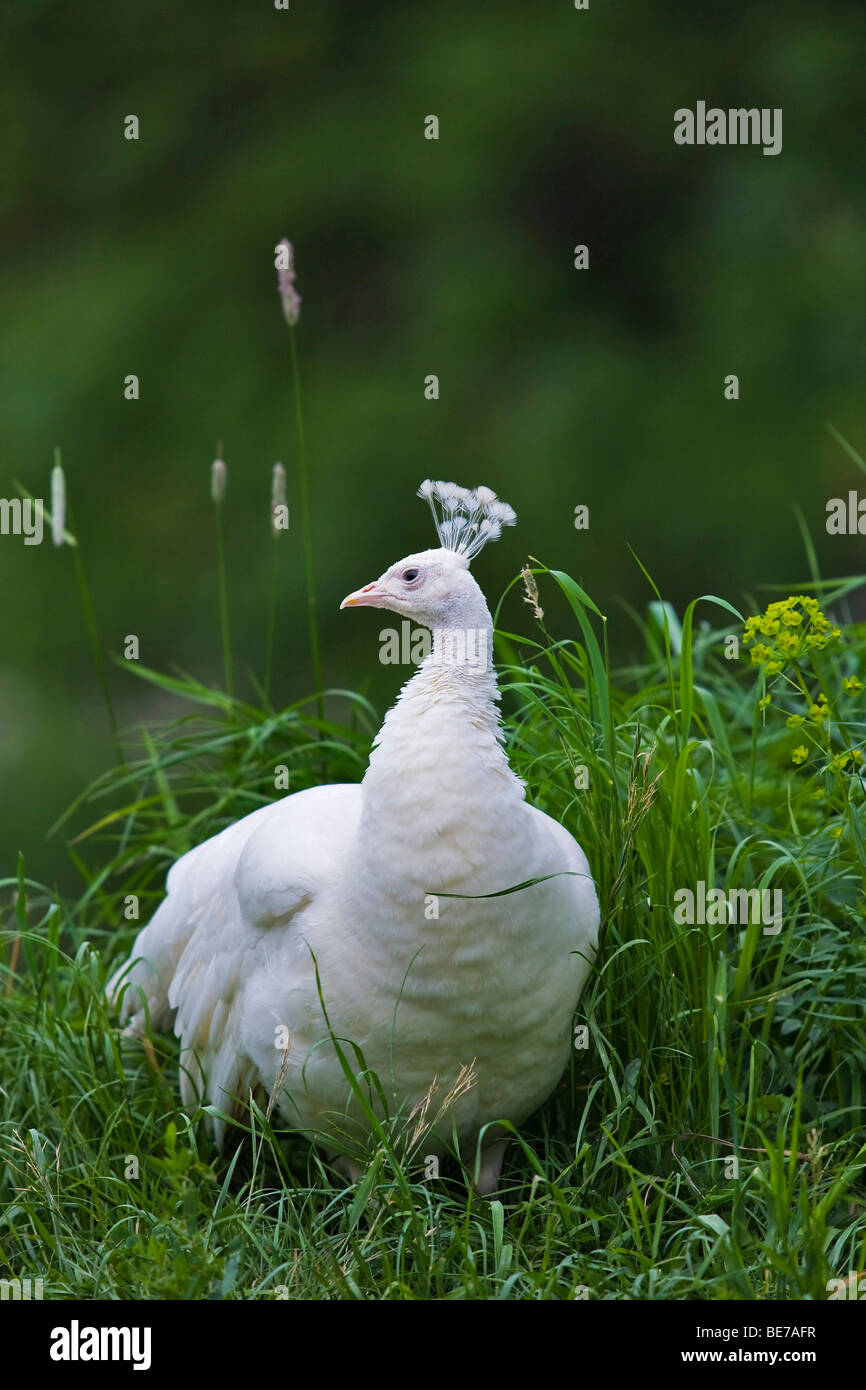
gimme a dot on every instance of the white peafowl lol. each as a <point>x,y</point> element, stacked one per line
<point>394,891</point>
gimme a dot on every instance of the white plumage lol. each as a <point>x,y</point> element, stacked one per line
<point>349,879</point>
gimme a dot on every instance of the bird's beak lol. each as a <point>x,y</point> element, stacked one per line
<point>371,596</point>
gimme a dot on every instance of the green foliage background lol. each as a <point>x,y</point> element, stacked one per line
<point>454,257</point>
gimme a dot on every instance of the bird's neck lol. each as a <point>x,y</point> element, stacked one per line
<point>465,652</point>
<point>455,682</point>
<point>441,809</point>
<point>438,758</point>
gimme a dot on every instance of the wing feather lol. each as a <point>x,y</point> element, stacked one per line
<point>192,963</point>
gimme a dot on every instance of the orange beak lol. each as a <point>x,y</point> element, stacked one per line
<point>370,597</point>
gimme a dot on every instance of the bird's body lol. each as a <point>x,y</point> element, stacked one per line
<point>355,884</point>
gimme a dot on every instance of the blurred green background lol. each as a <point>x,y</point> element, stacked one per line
<point>452,257</point>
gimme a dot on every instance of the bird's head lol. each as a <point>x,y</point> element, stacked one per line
<point>434,587</point>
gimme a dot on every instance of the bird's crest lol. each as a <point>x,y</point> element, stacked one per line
<point>466,518</point>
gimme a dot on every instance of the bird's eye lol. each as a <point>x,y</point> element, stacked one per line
<point>410,575</point>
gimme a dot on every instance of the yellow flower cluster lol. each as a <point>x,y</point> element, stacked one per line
<point>852,757</point>
<point>793,627</point>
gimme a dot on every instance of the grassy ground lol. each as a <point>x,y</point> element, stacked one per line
<point>707,1140</point>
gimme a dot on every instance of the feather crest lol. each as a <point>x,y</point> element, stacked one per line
<point>466,519</point>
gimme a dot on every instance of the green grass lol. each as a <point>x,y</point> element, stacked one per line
<point>707,1142</point>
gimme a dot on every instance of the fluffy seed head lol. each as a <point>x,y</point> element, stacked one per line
<point>218,479</point>
<point>278,496</point>
<point>289,297</point>
<point>58,504</point>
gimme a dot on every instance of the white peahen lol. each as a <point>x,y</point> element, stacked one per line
<point>394,891</point>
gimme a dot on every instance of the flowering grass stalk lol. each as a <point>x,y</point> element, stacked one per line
<point>60,536</point>
<point>279,511</point>
<point>291,302</point>
<point>218,482</point>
